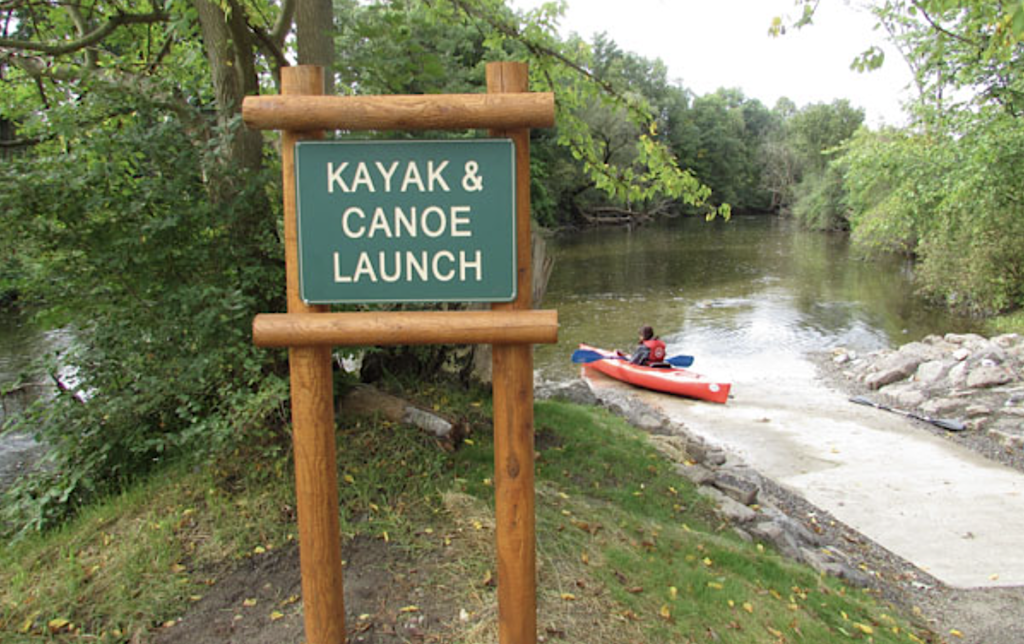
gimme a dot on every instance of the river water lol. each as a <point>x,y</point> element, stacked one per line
<point>740,294</point>
<point>751,298</point>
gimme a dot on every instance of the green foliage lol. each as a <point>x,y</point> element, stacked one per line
<point>821,201</point>
<point>813,135</point>
<point>950,200</point>
<point>726,132</point>
<point>133,255</point>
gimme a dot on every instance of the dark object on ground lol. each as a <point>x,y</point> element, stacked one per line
<point>944,423</point>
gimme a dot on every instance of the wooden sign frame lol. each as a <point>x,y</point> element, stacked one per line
<point>309,331</point>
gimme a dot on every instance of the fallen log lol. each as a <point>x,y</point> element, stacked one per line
<point>365,400</point>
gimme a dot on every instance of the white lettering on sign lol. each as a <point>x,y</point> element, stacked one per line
<point>364,178</point>
<point>432,221</point>
<point>412,266</point>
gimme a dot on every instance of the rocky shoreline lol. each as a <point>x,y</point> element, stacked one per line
<point>965,377</point>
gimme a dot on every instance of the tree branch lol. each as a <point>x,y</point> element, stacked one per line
<point>97,35</point>
<point>942,30</point>
<point>542,51</point>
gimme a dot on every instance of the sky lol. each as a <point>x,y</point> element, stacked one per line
<point>708,44</point>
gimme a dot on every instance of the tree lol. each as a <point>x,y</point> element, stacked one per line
<point>944,191</point>
<point>814,136</point>
<point>147,215</point>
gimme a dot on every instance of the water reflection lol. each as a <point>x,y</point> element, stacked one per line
<point>753,287</point>
<point>24,348</point>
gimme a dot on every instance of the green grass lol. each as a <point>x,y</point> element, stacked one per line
<point>627,551</point>
<point>618,519</point>
<point>126,564</point>
<point>1008,323</point>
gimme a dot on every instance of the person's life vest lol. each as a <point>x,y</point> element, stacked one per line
<point>657,349</point>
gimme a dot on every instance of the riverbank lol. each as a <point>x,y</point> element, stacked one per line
<point>917,376</point>
<point>961,377</point>
<point>977,615</point>
<point>627,550</point>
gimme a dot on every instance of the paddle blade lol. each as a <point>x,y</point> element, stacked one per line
<point>951,425</point>
<point>680,361</point>
<point>583,356</point>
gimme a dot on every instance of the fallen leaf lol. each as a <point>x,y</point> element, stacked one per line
<point>864,628</point>
<point>569,597</point>
<point>348,478</point>
<point>665,612</point>
<point>55,625</point>
<point>955,633</point>
<point>715,585</point>
<point>249,602</point>
<point>276,615</point>
<point>747,606</point>
<point>409,609</point>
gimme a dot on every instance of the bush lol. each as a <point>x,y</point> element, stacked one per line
<point>131,252</point>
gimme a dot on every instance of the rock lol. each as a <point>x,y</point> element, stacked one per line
<point>697,474</point>
<point>963,338</point>
<point>988,376</point>
<point>773,533</point>
<point>730,509</point>
<point>931,372</point>
<point>827,565</point>
<point>1007,340</point>
<point>893,368</point>
<point>957,376</point>
<point>906,397</point>
<point>574,391</point>
<point>940,406</point>
<point>1009,432</point>
<point>738,489</point>
<point>715,456</point>
<point>974,411</point>
<point>672,446</point>
<point>698,451</point>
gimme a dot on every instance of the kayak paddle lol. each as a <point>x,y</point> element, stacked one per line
<point>584,356</point>
<point>944,423</point>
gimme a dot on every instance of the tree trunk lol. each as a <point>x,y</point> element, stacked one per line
<point>314,29</point>
<point>229,51</point>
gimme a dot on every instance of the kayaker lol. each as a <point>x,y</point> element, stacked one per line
<point>650,350</point>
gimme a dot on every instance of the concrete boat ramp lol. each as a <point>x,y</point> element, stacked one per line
<point>951,512</point>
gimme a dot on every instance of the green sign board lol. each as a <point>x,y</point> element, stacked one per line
<point>406,221</point>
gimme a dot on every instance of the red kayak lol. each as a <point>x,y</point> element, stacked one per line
<point>671,380</point>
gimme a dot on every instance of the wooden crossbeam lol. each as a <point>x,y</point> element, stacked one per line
<point>405,327</point>
<point>408,112</point>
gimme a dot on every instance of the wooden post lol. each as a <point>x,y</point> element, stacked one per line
<point>513,411</point>
<point>310,331</point>
<point>316,475</point>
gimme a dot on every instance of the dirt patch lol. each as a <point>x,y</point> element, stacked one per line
<point>388,599</point>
